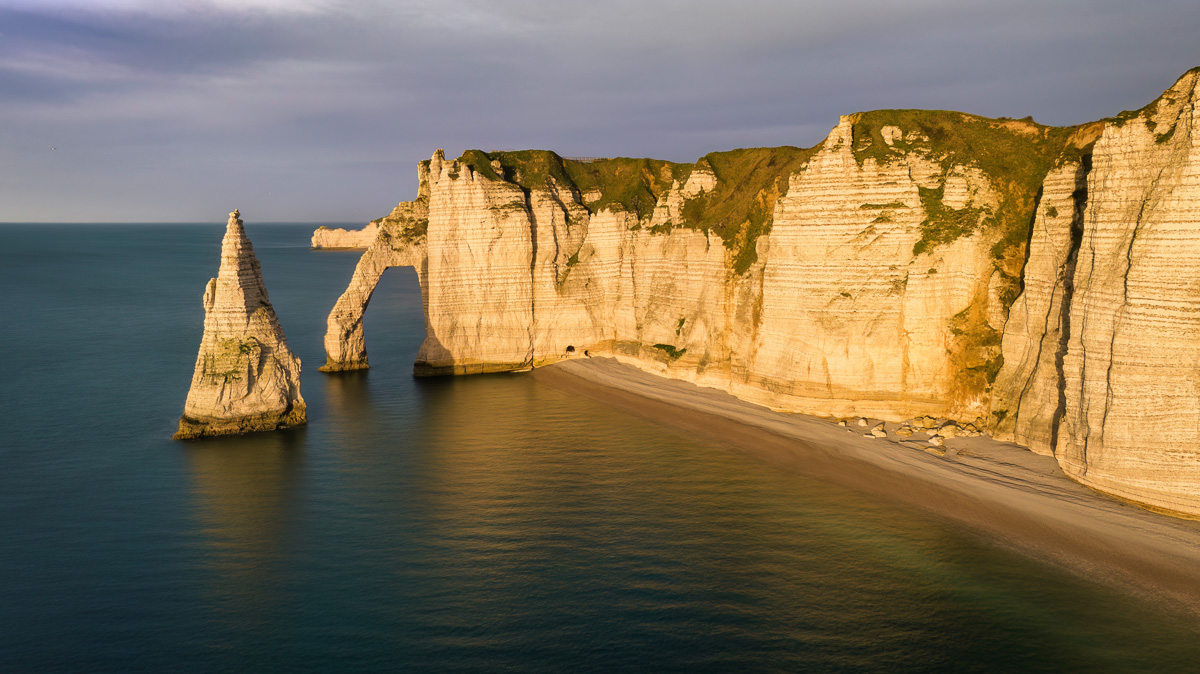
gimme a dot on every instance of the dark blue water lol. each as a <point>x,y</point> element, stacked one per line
<point>467,524</point>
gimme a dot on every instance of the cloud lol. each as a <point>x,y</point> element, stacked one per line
<point>178,7</point>
<point>189,102</point>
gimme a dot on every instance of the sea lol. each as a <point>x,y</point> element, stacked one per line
<point>468,524</point>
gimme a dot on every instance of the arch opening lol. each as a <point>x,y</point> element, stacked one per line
<point>345,342</point>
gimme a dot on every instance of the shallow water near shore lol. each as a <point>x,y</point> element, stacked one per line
<point>476,523</point>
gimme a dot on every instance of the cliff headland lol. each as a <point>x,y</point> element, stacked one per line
<point>341,239</point>
<point>1040,283</point>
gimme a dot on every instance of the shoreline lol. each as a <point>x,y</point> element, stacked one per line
<point>997,490</point>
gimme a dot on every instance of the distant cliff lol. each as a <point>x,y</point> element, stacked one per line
<point>325,237</point>
<point>1041,281</point>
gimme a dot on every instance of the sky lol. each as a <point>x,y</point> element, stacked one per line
<point>319,110</point>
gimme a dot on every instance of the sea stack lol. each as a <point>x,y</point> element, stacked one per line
<point>246,378</point>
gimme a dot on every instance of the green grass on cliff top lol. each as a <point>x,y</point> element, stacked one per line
<point>738,210</point>
<point>741,207</point>
<point>1015,156</point>
<point>631,185</point>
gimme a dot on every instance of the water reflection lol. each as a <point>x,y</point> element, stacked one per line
<point>535,496</point>
<point>491,522</point>
<point>477,523</point>
<point>246,493</point>
<point>347,399</point>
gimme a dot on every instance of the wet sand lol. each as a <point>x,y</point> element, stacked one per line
<point>997,490</point>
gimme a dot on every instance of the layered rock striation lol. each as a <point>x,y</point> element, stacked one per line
<point>1034,280</point>
<point>400,243</point>
<point>246,379</point>
<point>824,280</point>
<point>1113,281</point>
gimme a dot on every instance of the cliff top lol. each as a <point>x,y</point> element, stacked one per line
<point>999,146</point>
<point>1014,154</point>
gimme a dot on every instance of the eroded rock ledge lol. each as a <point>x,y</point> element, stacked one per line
<point>246,379</point>
<point>345,239</point>
<point>1040,282</point>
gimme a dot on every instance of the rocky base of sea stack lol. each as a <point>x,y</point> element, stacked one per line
<point>332,365</point>
<point>194,429</point>
<point>423,368</point>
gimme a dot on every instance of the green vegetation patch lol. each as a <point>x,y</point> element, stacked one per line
<point>231,358</point>
<point>738,210</point>
<point>625,184</point>
<point>671,351</point>
<point>943,224</point>
<point>1014,155</point>
<point>480,162</point>
<point>741,207</point>
<point>1148,112</point>
<point>409,222</point>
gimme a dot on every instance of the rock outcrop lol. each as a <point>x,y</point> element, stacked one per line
<point>342,239</point>
<point>399,243</point>
<point>1037,281</point>
<point>1119,290</point>
<point>1028,394</point>
<point>246,378</point>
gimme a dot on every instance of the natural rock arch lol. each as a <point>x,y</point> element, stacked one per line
<point>345,344</point>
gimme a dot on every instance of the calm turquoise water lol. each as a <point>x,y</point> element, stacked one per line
<point>469,524</point>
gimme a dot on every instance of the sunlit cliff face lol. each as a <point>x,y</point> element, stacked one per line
<point>875,274</point>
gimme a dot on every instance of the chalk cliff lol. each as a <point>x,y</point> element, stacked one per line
<point>1113,287</point>
<point>1041,281</point>
<point>246,379</point>
<point>340,239</point>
